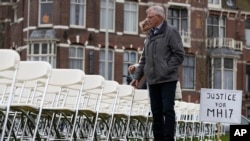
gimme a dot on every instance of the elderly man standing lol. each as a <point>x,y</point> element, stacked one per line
<point>163,54</point>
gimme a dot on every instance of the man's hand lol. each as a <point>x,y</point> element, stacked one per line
<point>135,83</point>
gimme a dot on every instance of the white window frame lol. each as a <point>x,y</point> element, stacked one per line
<point>221,27</point>
<point>187,66</point>
<point>76,57</point>
<point>130,18</point>
<point>41,2</point>
<point>35,52</point>
<point>222,80</point>
<point>247,77</point>
<point>214,3</point>
<point>179,19</point>
<point>81,4</point>
<point>111,15</point>
<point>127,61</point>
<point>247,34</point>
<point>111,62</point>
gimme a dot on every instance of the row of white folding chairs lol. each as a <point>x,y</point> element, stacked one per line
<point>188,124</point>
<point>40,102</point>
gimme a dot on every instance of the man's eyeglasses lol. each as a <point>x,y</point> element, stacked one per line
<point>150,17</point>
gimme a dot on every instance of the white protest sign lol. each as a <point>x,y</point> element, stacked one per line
<point>218,105</point>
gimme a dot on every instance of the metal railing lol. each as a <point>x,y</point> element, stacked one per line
<point>186,40</point>
<point>224,42</point>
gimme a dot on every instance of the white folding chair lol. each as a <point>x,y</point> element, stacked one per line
<point>9,64</point>
<point>61,103</point>
<point>181,115</point>
<point>93,89</point>
<point>26,102</point>
<point>105,109</point>
<point>141,119</point>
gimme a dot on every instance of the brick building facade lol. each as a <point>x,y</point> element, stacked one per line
<point>71,34</point>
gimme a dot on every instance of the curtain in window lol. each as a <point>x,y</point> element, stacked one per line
<point>130,17</point>
<point>76,56</point>
<point>188,72</point>
<point>102,64</point>
<point>248,37</point>
<point>228,79</point>
<point>103,17</point>
<point>77,13</point>
<point>217,79</point>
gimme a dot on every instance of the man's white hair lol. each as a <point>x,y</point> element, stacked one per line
<point>158,10</point>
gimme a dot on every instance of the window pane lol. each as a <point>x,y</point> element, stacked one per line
<point>76,57</point>
<point>80,52</point>
<point>217,63</point>
<point>133,57</point>
<point>72,52</point>
<point>77,12</point>
<point>129,58</point>
<point>228,79</point>
<point>130,19</point>
<point>36,49</point>
<point>46,12</point>
<point>228,63</point>
<point>217,79</point>
<point>247,33</point>
<point>44,49</point>
<point>103,17</point>
<point>177,17</point>
<point>41,52</point>
<point>188,72</point>
<point>126,56</point>
<point>110,64</point>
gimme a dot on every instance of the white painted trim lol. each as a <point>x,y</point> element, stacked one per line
<point>119,33</point>
<point>29,28</point>
<point>63,45</point>
<point>60,27</point>
<point>77,38</point>
<point>120,1</point>
<point>90,47</point>
<point>179,4</point>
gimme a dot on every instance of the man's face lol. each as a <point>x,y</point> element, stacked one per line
<point>153,19</point>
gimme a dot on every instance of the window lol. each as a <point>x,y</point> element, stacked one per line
<point>215,27</point>
<point>248,112</point>
<point>77,12</point>
<point>110,63</point>
<point>2,33</point>
<point>42,51</point>
<point>248,78</point>
<point>247,31</point>
<point>214,1</point>
<point>230,3</point>
<point>223,70</point>
<point>111,15</point>
<point>46,12</point>
<point>129,58</point>
<point>130,17</point>
<point>76,57</point>
<point>188,72</point>
<point>178,17</point>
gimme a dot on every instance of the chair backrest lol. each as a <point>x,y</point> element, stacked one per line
<point>9,64</point>
<point>66,77</point>
<point>65,87</point>
<point>33,70</point>
<point>31,75</point>
<point>9,59</point>
<point>92,83</point>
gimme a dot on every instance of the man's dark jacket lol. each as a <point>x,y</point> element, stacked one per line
<point>162,55</point>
